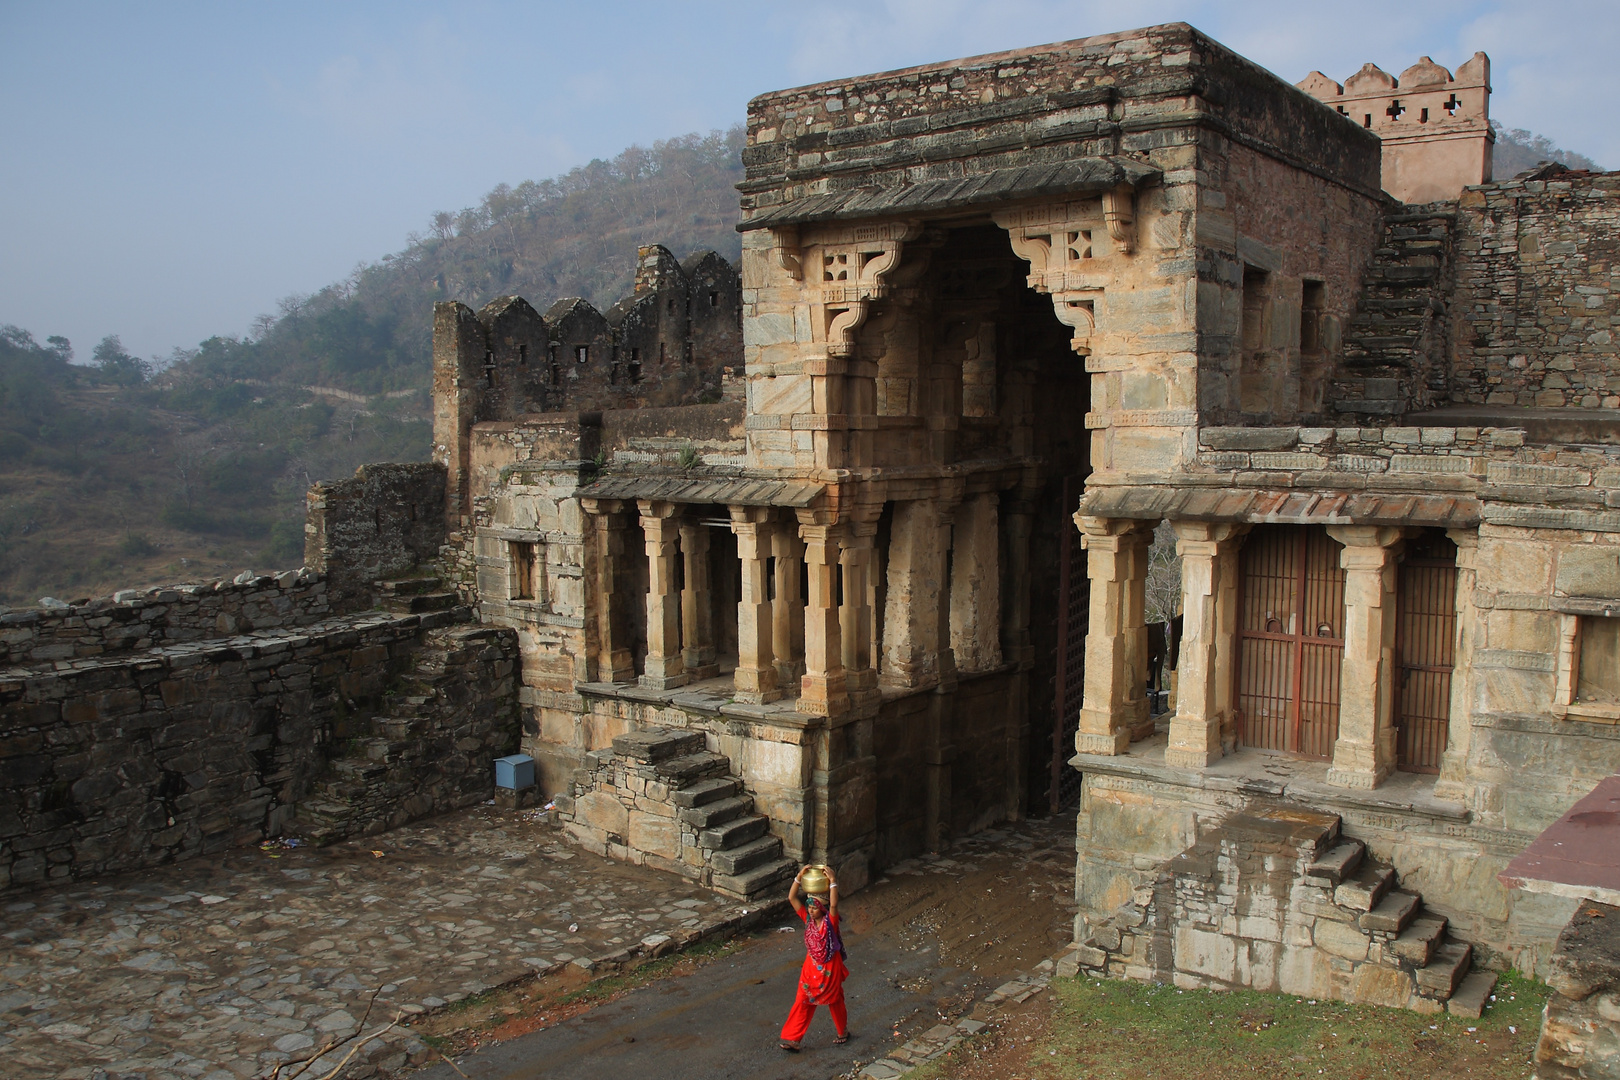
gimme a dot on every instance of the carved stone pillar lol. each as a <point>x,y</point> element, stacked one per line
<point>1365,751</point>
<point>613,660</point>
<point>855,614</point>
<point>1453,783</point>
<point>756,675</point>
<point>1115,686</point>
<point>787,610</point>
<point>664,668</point>
<point>918,540</point>
<point>1203,701</point>
<point>697,614</point>
<point>821,689</point>
<point>976,585</point>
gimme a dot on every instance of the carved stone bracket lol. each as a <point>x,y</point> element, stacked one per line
<point>850,265</point>
<point>1119,214</point>
<point>1061,242</point>
<point>786,251</point>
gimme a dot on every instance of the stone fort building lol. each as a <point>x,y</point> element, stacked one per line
<point>843,552</point>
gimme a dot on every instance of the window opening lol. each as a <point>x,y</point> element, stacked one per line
<point>1452,105</point>
<point>1079,245</point>
<point>770,577</point>
<point>635,365</point>
<point>1311,310</point>
<point>714,299</point>
<point>663,353</point>
<point>523,354</point>
<point>835,268</point>
<point>582,353</point>
<point>1597,680</point>
<point>525,562</point>
<point>1396,110</point>
<point>1423,117</point>
<point>1366,121</point>
<point>489,367</point>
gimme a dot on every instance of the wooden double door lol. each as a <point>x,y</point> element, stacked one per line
<point>1291,644</point>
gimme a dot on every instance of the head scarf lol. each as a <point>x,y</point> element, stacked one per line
<point>818,932</point>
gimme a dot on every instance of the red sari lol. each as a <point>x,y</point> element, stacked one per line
<point>821,980</point>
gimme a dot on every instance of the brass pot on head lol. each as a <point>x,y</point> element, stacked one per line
<point>815,880</point>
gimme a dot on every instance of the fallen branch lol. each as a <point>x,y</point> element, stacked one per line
<point>360,1042</point>
<point>450,1063</point>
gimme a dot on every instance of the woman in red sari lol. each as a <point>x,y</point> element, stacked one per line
<point>821,979</point>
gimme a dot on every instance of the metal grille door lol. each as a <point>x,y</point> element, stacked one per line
<point>1425,640</point>
<point>1074,616</point>
<point>1290,640</point>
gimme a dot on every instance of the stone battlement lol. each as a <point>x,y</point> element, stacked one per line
<point>1435,126</point>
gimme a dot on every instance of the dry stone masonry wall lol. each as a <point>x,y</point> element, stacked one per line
<point>159,736</point>
<point>134,619</point>
<point>1537,286</point>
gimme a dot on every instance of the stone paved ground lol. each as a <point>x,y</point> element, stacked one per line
<point>222,969</point>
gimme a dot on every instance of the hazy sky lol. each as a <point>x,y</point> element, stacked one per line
<point>169,170</point>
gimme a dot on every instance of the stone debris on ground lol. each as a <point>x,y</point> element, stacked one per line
<point>941,1039</point>
<point>223,969</point>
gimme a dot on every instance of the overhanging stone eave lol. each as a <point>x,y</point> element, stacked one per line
<point>1261,507</point>
<point>708,490</point>
<point>1076,177</point>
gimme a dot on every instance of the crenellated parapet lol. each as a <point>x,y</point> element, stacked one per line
<point>671,342</point>
<point>1435,126</point>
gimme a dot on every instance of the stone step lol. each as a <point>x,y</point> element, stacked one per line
<point>718,812</point>
<point>734,833</point>
<point>417,603</point>
<point>1469,999</point>
<point>1362,890</point>
<point>1338,862</point>
<point>680,772</point>
<point>658,744</point>
<point>706,791</point>
<point>1421,937</point>
<point>358,768</point>
<point>1440,977</point>
<point>758,882</point>
<point>1393,912</point>
<point>739,860</point>
<point>408,586</point>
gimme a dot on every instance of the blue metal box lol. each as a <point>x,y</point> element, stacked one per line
<point>515,772</point>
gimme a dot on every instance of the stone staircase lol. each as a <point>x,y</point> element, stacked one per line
<point>1276,898</point>
<point>661,798</point>
<point>415,596</point>
<point>1392,359</point>
<point>428,747</point>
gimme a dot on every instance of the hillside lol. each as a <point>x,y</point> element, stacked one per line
<point>116,476</point>
<point>575,235</point>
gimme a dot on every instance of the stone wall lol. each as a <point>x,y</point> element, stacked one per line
<point>115,762</point>
<point>1536,305</point>
<point>1580,1028</point>
<point>385,521</point>
<point>134,619</point>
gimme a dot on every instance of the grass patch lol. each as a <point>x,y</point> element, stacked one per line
<point>1102,1030</point>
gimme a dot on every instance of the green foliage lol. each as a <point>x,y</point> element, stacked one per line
<point>1518,150</point>
<point>115,366</point>
<point>689,457</point>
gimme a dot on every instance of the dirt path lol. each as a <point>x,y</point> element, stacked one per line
<point>926,942</point>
